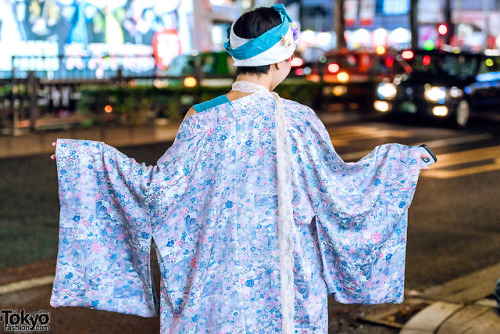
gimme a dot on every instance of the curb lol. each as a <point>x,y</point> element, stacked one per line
<point>431,318</point>
<point>40,142</point>
<point>462,305</point>
<point>34,143</point>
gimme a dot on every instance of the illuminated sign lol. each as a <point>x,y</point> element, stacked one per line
<point>166,46</point>
<point>396,7</point>
<point>94,35</point>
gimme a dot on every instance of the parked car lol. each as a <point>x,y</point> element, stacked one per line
<point>216,69</point>
<point>212,68</point>
<point>442,85</point>
<point>353,75</point>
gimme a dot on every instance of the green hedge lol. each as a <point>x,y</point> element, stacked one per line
<point>302,91</point>
<point>21,103</point>
<point>135,105</point>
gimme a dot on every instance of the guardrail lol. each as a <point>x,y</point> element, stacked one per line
<point>43,91</point>
<point>46,87</point>
<point>29,103</point>
<point>39,87</point>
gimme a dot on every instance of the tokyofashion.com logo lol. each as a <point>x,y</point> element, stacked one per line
<point>21,321</point>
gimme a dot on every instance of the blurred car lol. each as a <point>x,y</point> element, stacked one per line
<point>306,62</point>
<point>351,76</point>
<point>442,85</point>
<point>216,68</point>
<point>300,67</point>
<point>211,68</point>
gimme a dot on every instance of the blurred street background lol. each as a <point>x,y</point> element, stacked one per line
<point>375,71</point>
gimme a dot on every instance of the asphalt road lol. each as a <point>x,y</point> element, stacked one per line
<point>453,221</point>
<point>454,218</point>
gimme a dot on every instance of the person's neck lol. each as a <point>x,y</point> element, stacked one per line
<point>262,80</point>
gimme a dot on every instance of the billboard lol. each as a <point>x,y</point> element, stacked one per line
<point>93,35</point>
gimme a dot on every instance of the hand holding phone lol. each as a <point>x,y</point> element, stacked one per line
<point>427,156</point>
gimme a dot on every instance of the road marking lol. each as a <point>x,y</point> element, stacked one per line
<point>448,174</point>
<point>458,158</point>
<point>449,165</point>
<point>489,155</point>
<point>26,284</point>
<point>355,156</point>
<point>344,135</point>
<point>457,140</point>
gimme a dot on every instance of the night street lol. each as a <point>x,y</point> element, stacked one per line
<point>255,222</point>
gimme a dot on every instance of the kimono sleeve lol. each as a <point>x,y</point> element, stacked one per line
<point>361,212</point>
<point>105,231</point>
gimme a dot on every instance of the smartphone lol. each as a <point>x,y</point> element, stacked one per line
<point>427,161</point>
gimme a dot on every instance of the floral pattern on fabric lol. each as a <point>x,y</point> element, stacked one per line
<point>210,204</point>
<point>105,230</point>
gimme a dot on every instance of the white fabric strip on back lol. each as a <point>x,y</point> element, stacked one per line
<point>286,225</point>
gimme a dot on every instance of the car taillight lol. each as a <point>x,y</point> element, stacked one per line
<point>426,60</point>
<point>389,62</point>
<point>333,68</point>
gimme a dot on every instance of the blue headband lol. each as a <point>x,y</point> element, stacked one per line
<point>263,42</point>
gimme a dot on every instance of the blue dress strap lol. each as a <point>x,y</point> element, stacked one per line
<point>211,103</point>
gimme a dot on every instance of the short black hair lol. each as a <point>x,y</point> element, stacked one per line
<point>253,24</point>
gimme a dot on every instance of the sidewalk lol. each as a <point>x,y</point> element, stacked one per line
<point>31,143</point>
<point>463,305</point>
<point>40,142</point>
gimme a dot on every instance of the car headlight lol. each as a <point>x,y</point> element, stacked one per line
<point>435,94</point>
<point>456,92</point>
<point>387,91</point>
<point>339,90</point>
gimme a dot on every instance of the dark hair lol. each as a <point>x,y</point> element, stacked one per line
<point>253,24</point>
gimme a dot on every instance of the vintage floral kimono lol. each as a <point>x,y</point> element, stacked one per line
<point>210,205</point>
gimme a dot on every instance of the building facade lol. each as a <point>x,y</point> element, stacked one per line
<point>139,36</point>
<point>475,25</point>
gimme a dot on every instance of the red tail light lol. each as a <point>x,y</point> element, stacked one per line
<point>389,61</point>
<point>333,68</point>
<point>426,61</point>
